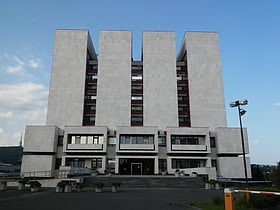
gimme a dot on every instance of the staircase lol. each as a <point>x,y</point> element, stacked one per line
<point>147,181</point>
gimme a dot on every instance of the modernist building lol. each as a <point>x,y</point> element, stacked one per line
<point>139,117</point>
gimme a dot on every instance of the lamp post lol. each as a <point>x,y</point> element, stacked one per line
<point>240,113</point>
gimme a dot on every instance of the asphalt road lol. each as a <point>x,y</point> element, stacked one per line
<point>125,199</point>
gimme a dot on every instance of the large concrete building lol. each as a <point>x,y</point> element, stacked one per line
<point>108,111</point>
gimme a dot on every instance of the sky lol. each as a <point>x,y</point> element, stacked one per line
<point>249,36</point>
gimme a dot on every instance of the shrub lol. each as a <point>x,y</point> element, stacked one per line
<point>116,184</point>
<point>34,184</point>
<point>98,184</point>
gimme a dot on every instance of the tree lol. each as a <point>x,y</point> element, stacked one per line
<point>257,173</point>
<point>275,175</point>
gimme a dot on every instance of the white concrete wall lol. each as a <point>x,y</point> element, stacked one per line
<point>228,141</point>
<point>37,164</point>
<point>233,167</point>
<point>66,96</point>
<point>114,79</point>
<point>159,79</point>
<point>207,104</point>
<point>40,139</point>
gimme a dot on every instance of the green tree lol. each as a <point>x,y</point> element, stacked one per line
<point>275,175</point>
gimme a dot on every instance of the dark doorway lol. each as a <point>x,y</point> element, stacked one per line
<point>136,166</point>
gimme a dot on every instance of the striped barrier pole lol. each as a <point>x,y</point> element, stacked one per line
<point>229,196</point>
<point>257,192</point>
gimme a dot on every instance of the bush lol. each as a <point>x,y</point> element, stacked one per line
<point>34,184</point>
<point>78,185</point>
<point>98,184</point>
<point>116,184</point>
<point>61,184</point>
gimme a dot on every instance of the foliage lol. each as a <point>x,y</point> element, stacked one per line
<point>98,184</point>
<point>78,185</point>
<point>61,184</point>
<point>257,173</point>
<point>275,175</point>
<point>34,184</point>
<point>116,184</point>
<point>23,181</point>
<point>264,201</point>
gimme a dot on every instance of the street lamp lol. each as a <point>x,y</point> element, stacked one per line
<point>241,112</point>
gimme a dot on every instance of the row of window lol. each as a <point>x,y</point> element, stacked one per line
<point>89,139</point>
<point>186,140</point>
<point>187,163</point>
<point>136,139</point>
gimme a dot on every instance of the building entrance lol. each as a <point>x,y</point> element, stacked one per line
<point>136,166</point>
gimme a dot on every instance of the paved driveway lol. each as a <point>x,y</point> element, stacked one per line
<point>125,199</point>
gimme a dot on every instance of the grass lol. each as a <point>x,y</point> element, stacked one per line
<point>218,204</point>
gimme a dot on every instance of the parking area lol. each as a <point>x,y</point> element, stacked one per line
<point>125,199</point>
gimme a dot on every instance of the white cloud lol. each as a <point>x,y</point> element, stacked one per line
<point>19,64</point>
<point>1,130</point>
<point>6,115</point>
<point>25,96</point>
<point>34,63</point>
<point>14,69</point>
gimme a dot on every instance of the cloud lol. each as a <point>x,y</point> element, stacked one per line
<point>34,63</point>
<point>6,115</point>
<point>14,69</point>
<point>20,64</point>
<point>21,104</point>
<point>26,96</point>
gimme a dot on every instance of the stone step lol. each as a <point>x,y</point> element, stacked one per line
<point>148,181</point>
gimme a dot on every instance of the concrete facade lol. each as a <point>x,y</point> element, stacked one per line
<point>159,68</point>
<point>158,115</point>
<point>202,53</point>
<point>114,67</point>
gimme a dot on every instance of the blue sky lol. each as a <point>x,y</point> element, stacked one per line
<point>249,40</point>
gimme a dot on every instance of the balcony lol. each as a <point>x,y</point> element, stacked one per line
<point>137,146</point>
<point>199,148</point>
<point>84,147</point>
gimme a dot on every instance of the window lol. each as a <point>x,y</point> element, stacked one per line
<point>92,118</point>
<point>182,108</point>
<point>136,77</point>
<point>96,163</point>
<point>90,97</point>
<point>60,141</point>
<point>212,142</point>
<point>83,139</point>
<point>137,67</point>
<point>182,87</point>
<point>136,97</point>
<point>136,139</point>
<point>136,87</point>
<point>181,77</point>
<point>186,140</point>
<point>188,163</point>
<point>182,98</point>
<point>136,107</point>
<point>87,139</point>
<point>92,87</point>
<point>137,119</point>
<point>183,119</point>
<point>162,140</point>
<point>92,107</point>
<point>162,164</point>
<point>112,140</point>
